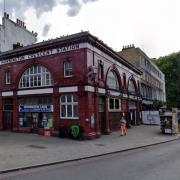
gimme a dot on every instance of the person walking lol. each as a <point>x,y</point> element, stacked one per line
<point>123,129</point>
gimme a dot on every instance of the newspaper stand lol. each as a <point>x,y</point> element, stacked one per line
<point>169,121</point>
<point>166,123</point>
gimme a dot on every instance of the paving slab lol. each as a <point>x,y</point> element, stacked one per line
<point>18,150</point>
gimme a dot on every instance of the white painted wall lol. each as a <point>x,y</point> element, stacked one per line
<point>11,33</point>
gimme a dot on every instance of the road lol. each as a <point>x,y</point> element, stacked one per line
<point>160,162</point>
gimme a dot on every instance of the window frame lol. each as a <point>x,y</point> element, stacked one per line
<point>112,81</point>
<point>114,104</point>
<point>7,77</point>
<point>70,69</point>
<point>36,76</point>
<point>72,104</point>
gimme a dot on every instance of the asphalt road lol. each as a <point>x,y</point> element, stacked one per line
<point>161,162</point>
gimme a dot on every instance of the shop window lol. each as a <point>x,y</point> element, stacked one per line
<point>36,112</point>
<point>36,76</point>
<point>112,81</point>
<point>68,69</point>
<point>69,106</point>
<point>32,100</point>
<point>7,77</point>
<point>38,120</point>
<point>114,104</point>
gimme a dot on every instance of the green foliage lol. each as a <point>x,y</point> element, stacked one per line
<point>170,66</point>
<point>158,104</point>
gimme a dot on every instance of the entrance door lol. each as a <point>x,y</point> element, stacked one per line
<point>132,117</point>
<point>7,119</point>
<point>102,114</point>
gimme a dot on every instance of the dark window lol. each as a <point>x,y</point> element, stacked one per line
<point>114,104</point>
<point>8,105</point>
<point>111,103</point>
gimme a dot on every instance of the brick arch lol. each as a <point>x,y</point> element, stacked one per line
<point>131,78</point>
<point>27,66</point>
<point>113,68</point>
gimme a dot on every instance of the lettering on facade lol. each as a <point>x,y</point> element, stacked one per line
<point>41,54</point>
<point>68,48</point>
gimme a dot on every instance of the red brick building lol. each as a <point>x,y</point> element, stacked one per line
<point>74,79</point>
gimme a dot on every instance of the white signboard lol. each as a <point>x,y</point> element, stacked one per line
<point>151,117</point>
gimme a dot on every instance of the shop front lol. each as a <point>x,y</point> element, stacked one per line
<point>35,116</point>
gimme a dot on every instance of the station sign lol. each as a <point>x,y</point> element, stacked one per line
<point>44,53</point>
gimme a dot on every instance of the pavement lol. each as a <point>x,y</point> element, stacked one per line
<point>21,151</point>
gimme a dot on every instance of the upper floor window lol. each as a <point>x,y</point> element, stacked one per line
<point>7,77</point>
<point>131,87</point>
<point>112,81</point>
<point>35,76</point>
<point>68,69</point>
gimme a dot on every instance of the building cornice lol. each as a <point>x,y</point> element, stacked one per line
<point>66,40</point>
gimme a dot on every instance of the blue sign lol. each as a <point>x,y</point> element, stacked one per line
<point>36,108</point>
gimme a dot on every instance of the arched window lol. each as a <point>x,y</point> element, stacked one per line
<point>131,87</point>
<point>112,81</point>
<point>35,76</point>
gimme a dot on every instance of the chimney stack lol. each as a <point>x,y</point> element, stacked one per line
<point>6,15</point>
<point>17,21</point>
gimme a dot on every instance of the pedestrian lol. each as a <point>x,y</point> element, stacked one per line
<point>123,129</point>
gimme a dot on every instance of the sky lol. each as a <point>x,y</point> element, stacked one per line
<point>152,25</point>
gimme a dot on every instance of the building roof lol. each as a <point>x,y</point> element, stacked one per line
<point>78,37</point>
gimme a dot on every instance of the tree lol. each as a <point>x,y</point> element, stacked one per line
<point>170,66</point>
